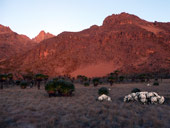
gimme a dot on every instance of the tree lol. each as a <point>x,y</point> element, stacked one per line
<point>115,74</point>
<point>29,77</point>
<point>10,78</point>
<point>111,80</point>
<point>3,78</point>
<point>39,78</point>
<point>121,78</point>
<point>46,78</point>
<point>95,82</point>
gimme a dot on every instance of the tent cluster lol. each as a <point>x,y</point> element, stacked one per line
<point>145,98</point>
<point>104,97</point>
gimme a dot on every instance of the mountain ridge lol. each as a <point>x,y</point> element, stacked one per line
<point>12,43</point>
<point>42,36</point>
<point>123,42</point>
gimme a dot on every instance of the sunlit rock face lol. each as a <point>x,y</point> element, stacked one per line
<point>123,42</point>
<point>42,36</point>
<point>12,44</point>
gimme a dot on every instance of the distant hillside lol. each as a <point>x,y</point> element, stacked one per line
<point>124,42</point>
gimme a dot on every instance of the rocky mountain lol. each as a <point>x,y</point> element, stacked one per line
<point>42,36</point>
<point>123,42</point>
<point>12,43</point>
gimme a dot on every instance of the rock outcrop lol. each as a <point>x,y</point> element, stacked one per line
<point>42,36</point>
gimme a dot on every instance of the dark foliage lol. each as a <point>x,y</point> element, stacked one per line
<point>135,90</point>
<point>10,76</point>
<point>46,77</point>
<point>111,80</point>
<point>156,83</point>
<point>23,84</point>
<point>3,77</point>
<point>96,81</point>
<point>51,88</point>
<point>103,90</point>
<point>86,84</point>
<point>39,77</point>
<point>55,79</point>
<point>64,88</point>
<point>17,82</point>
<point>61,87</point>
<point>121,78</point>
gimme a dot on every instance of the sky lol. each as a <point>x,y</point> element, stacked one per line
<point>29,17</point>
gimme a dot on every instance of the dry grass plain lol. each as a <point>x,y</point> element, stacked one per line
<point>32,108</point>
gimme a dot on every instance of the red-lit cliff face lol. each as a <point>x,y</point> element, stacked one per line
<point>124,42</point>
<point>42,36</point>
<point>12,43</point>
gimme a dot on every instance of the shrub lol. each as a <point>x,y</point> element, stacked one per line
<point>39,77</point>
<point>111,79</point>
<point>95,81</point>
<point>55,79</point>
<point>10,76</point>
<point>135,90</point>
<point>64,88</point>
<point>17,82</point>
<point>46,77</point>
<point>86,84</point>
<point>156,83</point>
<point>50,88</point>
<point>121,78</point>
<point>103,90</point>
<point>23,84</point>
<point>3,77</point>
<point>82,78</point>
<point>85,78</point>
<point>142,77</point>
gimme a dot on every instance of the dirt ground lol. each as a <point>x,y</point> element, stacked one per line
<point>32,108</point>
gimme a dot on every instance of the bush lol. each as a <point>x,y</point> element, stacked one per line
<point>86,84</point>
<point>135,90</point>
<point>46,77</point>
<point>82,78</point>
<point>55,79</point>
<point>103,90</point>
<point>3,77</point>
<point>64,88</point>
<point>121,78</point>
<point>51,88</point>
<point>111,79</point>
<point>17,82</point>
<point>23,84</point>
<point>10,76</point>
<point>156,83</point>
<point>96,81</point>
<point>39,77</point>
